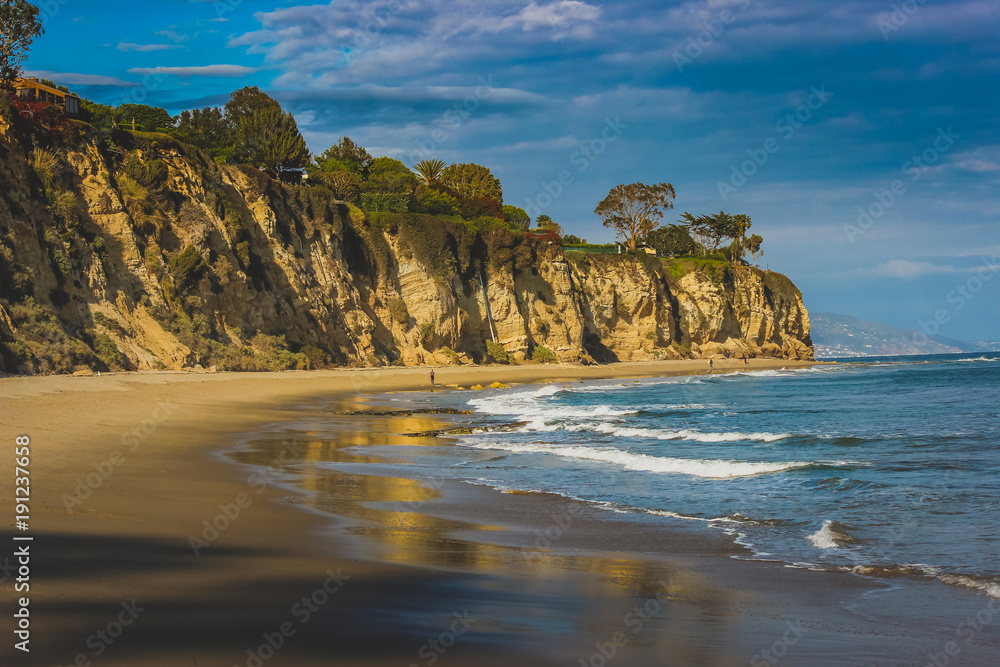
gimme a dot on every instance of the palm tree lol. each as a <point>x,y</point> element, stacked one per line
<point>429,170</point>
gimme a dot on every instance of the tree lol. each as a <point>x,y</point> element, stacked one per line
<point>246,102</point>
<point>207,128</point>
<point>471,181</point>
<point>19,26</point>
<point>516,217</point>
<point>345,156</point>
<point>270,139</point>
<point>717,227</point>
<point>388,175</point>
<point>572,239</point>
<point>429,171</point>
<point>753,245</point>
<point>634,210</point>
<point>546,224</point>
<point>146,118</point>
<point>671,241</point>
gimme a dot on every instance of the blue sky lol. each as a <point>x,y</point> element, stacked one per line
<point>861,136</point>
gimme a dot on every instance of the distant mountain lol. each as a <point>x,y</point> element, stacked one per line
<point>844,336</point>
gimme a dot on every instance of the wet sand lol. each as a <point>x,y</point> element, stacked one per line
<point>126,470</point>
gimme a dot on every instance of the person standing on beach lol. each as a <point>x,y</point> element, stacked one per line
<point>710,363</point>
<point>432,377</point>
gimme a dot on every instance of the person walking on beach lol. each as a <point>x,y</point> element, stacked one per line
<point>432,377</point>
<point>710,363</point>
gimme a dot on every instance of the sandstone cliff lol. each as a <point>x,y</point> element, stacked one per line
<point>133,251</point>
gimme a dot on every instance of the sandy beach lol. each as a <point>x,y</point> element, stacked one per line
<point>149,548</point>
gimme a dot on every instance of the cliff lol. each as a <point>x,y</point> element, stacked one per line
<point>132,251</point>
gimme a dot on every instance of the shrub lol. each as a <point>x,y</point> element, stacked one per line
<point>399,312</point>
<point>392,202</point>
<point>108,353</point>
<point>187,266</point>
<point>543,355</point>
<point>45,164</point>
<point>427,334</point>
<point>497,352</point>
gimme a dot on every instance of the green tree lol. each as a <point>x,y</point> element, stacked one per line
<point>388,175</point>
<point>716,228</point>
<point>146,118</point>
<point>19,26</point>
<point>634,210</point>
<point>546,224</point>
<point>345,156</point>
<point>246,102</point>
<point>671,241</point>
<point>516,217</point>
<point>572,239</point>
<point>429,171</point>
<point>753,246</point>
<point>205,128</point>
<point>471,181</point>
<point>269,139</point>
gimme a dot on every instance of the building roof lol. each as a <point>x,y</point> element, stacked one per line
<point>32,82</point>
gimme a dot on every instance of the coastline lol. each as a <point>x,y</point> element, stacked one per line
<point>130,538</point>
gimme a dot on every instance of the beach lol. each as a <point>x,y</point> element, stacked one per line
<point>151,548</point>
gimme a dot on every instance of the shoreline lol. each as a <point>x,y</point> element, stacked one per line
<point>130,538</point>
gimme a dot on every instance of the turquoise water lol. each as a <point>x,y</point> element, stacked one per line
<point>888,467</point>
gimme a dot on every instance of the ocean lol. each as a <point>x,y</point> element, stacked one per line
<point>886,467</point>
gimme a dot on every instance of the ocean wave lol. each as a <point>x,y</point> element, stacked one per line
<point>983,358</point>
<point>833,535</point>
<point>707,468</point>
<point>687,434</point>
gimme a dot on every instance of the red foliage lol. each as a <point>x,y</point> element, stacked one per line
<point>543,238</point>
<point>45,115</point>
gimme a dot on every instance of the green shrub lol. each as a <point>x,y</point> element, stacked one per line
<point>111,325</point>
<point>497,352</point>
<point>392,202</point>
<point>187,266</point>
<point>427,334</point>
<point>108,353</point>
<point>543,355</point>
<point>399,312</point>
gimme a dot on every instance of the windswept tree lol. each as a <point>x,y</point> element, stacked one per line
<point>711,230</point>
<point>472,181</point>
<point>516,217</point>
<point>547,224</point>
<point>753,247</point>
<point>634,210</point>
<point>19,26</point>
<point>429,171</point>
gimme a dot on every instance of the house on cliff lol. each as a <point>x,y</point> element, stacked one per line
<point>33,90</point>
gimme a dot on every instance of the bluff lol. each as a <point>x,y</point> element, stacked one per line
<point>127,250</point>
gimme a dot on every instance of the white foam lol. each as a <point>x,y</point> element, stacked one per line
<point>984,358</point>
<point>708,468</point>
<point>687,434</point>
<point>831,536</point>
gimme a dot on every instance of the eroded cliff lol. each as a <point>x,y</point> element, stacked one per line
<point>132,251</point>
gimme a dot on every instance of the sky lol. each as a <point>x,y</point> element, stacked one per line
<point>860,136</point>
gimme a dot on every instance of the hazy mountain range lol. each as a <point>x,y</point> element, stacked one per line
<point>836,335</point>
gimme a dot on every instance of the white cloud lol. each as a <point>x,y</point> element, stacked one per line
<point>172,35</point>
<point>131,46</point>
<point>229,71</point>
<point>907,270</point>
<point>76,79</point>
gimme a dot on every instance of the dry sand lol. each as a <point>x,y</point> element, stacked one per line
<point>124,471</point>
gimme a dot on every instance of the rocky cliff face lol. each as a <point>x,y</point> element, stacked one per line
<point>137,252</point>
